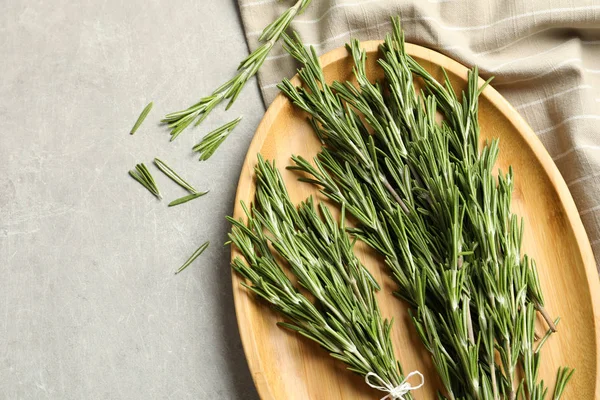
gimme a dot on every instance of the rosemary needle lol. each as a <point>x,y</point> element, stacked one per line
<point>168,171</point>
<point>187,198</point>
<point>141,118</point>
<point>193,257</point>
<point>142,175</point>
<point>211,142</point>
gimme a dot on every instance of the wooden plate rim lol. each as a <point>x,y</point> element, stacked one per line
<point>560,186</point>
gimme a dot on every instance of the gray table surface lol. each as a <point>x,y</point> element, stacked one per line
<point>89,305</point>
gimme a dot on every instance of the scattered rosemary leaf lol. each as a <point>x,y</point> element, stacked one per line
<point>211,142</point>
<point>168,171</point>
<point>142,175</point>
<point>141,118</point>
<point>193,257</point>
<point>187,198</point>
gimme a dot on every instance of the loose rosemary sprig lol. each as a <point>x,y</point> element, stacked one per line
<point>345,318</point>
<point>211,142</point>
<point>425,197</point>
<point>168,171</point>
<point>187,198</point>
<point>193,257</point>
<point>142,175</point>
<point>178,121</point>
<point>141,118</point>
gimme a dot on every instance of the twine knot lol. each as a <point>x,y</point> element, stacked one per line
<point>394,393</point>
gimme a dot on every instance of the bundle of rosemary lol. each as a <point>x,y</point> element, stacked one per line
<point>424,196</point>
<point>345,318</point>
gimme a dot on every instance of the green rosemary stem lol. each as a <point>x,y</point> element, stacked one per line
<point>178,121</point>
<point>547,335</point>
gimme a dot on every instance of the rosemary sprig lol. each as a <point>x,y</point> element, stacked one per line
<point>178,121</point>
<point>168,171</point>
<point>345,318</point>
<point>211,142</point>
<point>425,197</point>
<point>193,257</point>
<point>141,118</point>
<point>187,198</point>
<point>142,175</point>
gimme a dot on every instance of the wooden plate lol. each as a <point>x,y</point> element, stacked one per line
<point>287,366</point>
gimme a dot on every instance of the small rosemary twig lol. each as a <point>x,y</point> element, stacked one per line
<point>142,175</point>
<point>141,118</point>
<point>180,120</point>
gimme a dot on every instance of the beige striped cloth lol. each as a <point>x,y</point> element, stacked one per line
<point>544,54</point>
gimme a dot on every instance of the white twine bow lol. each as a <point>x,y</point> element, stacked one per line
<point>394,393</point>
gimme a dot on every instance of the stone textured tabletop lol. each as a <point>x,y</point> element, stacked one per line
<point>89,305</point>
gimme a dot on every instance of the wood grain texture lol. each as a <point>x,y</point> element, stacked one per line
<point>287,366</point>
